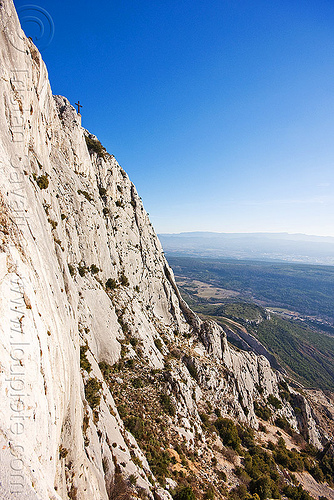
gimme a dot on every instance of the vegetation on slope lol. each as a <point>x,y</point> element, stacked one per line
<point>308,354</point>
<point>259,468</point>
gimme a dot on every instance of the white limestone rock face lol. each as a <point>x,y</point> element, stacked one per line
<point>70,221</point>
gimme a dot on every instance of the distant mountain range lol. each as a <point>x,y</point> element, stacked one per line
<point>258,246</point>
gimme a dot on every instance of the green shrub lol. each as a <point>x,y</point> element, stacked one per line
<point>259,388</point>
<point>282,423</point>
<point>130,363</point>
<point>106,211</point>
<point>283,386</point>
<point>326,463</point>
<point>239,493</point>
<point>124,326</point>
<point>290,459</point>
<point>106,369</point>
<point>176,353</point>
<point>119,203</point>
<point>86,195</point>
<point>205,418</point>
<point>246,434</point>
<point>167,404</point>
<point>119,488</point>
<point>133,479</point>
<point>158,459</point>
<point>42,181</point>
<point>265,487</point>
<point>102,191</point>
<point>124,280</point>
<point>123,412</point>
<point>296,493</point>
<point>94,269</point>
<point>136,460</point>
<point>111,284</point>
<point>242,475</point>
<point>135,425</point>
<point>210,493</point>
<point>124,351</point>
<point>84,363</point>
<point>222,475</point>
<point>62,452</point>
<point>92,392</point>
<point>285,395</point>
<point>273,401</point>
<point>262,428</point>
<point>94,146</point>
<point>228,433</point>
<point>191,367</point>
<point>137,383</point>
<point>158,344</point>
<point>53,223</point>
<point>71,269</point>
<point>82,270</point>
<point>185,493</point>
<point>262,411</point>
<point>317,473</point>
<point>258,462</point>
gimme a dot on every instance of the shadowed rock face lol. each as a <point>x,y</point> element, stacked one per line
<point>72,221</point>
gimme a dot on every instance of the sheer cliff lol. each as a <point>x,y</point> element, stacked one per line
<point>96,341</point>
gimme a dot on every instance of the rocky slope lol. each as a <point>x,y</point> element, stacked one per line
<point>93,329</point>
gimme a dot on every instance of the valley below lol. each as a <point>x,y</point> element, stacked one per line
<point>277,309</point>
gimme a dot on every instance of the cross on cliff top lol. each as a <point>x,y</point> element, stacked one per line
<point>79,106</point>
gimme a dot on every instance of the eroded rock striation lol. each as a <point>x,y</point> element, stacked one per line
<point>91,315</point>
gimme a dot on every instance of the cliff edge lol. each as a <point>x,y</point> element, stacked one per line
<point>96,341</point>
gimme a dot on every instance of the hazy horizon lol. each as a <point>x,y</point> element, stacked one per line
<point>247,232</point>
<point>283,247</point>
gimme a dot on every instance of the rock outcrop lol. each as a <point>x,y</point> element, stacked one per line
<point>84,287</point>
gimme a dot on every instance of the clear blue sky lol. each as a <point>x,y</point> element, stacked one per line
<point>221,111</point>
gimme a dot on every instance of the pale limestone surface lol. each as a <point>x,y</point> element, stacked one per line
<point>46,314</point>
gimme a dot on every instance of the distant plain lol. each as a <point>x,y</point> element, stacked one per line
<point>288,307</point>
